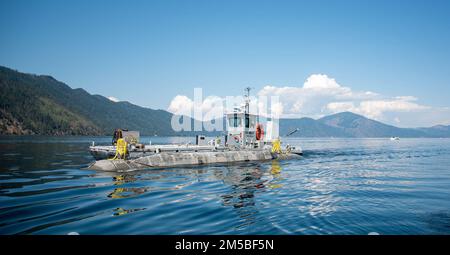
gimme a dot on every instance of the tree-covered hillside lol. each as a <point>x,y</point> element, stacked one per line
<point>39,104</point>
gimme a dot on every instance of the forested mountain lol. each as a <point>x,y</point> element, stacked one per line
<point>40,105</point>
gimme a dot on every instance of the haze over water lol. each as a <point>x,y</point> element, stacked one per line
<point>340,186</point>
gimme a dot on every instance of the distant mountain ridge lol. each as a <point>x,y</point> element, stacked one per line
<point>40,105</point>
<point>347,124</point>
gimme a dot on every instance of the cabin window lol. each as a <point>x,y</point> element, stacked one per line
<point>247,121</point>
<point>235,121</point>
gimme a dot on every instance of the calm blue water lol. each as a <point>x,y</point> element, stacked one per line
<point>340,186</point>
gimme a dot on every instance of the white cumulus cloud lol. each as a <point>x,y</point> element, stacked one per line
<point>376,108</point>
<point>320,81</point>
<point>181,105</point>
<point>211,107</point>
<point>321,95</point>
<point>312,98</point>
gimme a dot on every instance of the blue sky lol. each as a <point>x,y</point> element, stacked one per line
<point>147,52</point>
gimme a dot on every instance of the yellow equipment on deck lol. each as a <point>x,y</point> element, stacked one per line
<point>276,146</point>
<point>121,149</point>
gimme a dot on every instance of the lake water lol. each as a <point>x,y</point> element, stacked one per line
<point>340,186</point>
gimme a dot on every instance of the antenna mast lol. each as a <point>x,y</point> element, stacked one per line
<point>247,100</point>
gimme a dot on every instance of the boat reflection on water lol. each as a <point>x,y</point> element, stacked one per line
<point>125,192</point>
<point>275,171</point>
<point>119,193</point>
<point>121,211</point>
<point>242,182</point>
<point>245,184</point>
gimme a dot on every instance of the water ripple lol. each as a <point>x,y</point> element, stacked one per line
<point>340,186</point>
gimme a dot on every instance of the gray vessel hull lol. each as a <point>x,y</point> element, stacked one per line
<point>174,159</point>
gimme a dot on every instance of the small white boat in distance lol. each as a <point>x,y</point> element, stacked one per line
<point>395,138</point>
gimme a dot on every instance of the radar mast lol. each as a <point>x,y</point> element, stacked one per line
<point>247,99</point>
